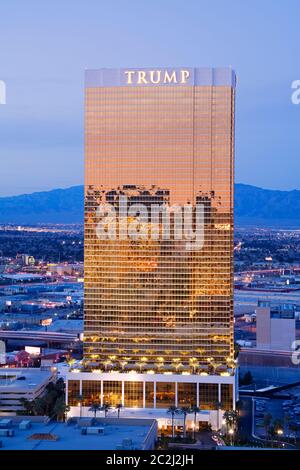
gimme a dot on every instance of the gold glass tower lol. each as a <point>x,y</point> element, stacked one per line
<point>160,137</point>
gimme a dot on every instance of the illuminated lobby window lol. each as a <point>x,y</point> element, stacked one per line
<point>112,392</point>
<point>165,394</point>
<point>149,395</point>
<point>227,396</point>
<point>187,394</point>
<point>91,392</point>
<point>133,394</point>
<point>208,396</point>
<point>73,392</point>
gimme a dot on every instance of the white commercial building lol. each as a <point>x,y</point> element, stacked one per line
<point>15,384</point>
<point>145,395</point>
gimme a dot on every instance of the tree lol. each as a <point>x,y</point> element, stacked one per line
<point>119,407</point>
<point>267,423</point>
<point>28,406</point>
<point>95,407</point>
<point>172,411</point>
<point>195,410</point>
<point>41,406</point>
<point>184,411</point>
<point>45,404</point>
<point>105,407</point>
<point>60,409</point>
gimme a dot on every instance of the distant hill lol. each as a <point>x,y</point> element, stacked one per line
<point>253,206</point>
<point>57,206</point>
<point>266,207</point>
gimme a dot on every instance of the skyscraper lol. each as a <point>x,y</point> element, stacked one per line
<point>159,147</point>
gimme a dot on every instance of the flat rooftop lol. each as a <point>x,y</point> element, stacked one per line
<point>10,378</point>
<point>70,437</point>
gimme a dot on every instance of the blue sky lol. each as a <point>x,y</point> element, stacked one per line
<point>45,47</point>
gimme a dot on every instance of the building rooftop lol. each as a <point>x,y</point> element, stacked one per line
<point>203,76</point>
<point>12,378</point>
<point>69,437</point>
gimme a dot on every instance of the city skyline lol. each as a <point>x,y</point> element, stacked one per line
<point>41,123</point>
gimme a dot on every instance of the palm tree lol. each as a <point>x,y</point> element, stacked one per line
<point>195,409</point>
<point>95,407</point>
<point>184,411</point>
<point>119,407</point>
<point>172,411</point>
<point>105,407</point>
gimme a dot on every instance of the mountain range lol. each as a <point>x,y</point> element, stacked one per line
<point>253,206</point>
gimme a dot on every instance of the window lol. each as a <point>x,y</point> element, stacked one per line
<point>73,392</point>
<point>149,399</point>
<point>112,392</point>
<point>187,394</point>
<point>208,396</point>
<point>91,392</point>
<point>165,394</point>
<point>227,396</point>
<point>133,394</point>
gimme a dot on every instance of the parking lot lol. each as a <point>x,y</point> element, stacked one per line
<point>286,410</point>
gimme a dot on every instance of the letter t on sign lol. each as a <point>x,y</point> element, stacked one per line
<point>129,74</point>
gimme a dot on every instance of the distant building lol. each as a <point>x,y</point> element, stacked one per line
<point>275,326</point>
<point>21,383</point>
<point>28,260</point>
<point>75,269</point>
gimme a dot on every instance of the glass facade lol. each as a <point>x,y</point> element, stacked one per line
<point>73,392</point>
<point>226,396</point>
<point>112,392</point>
<point>187,394</point>
<point>209,396</point>
<point>91,392</point>
<point>151,303</point>
<point>134,394</point>
<point>149,395</point>
<point>165,394</point>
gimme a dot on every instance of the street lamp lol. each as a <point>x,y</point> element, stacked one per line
<point>279,433</point>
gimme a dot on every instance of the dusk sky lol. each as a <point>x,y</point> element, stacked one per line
<point>45,47</point>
